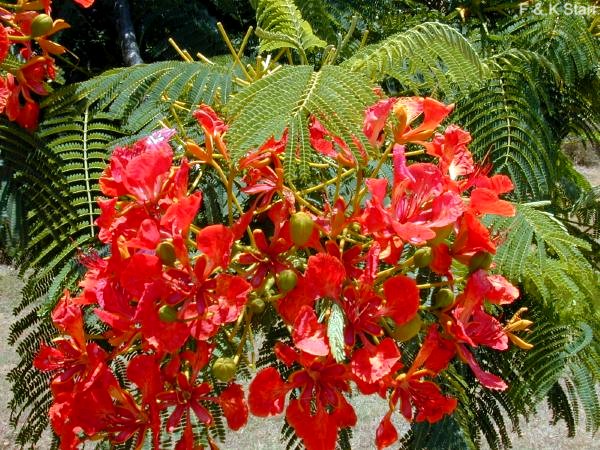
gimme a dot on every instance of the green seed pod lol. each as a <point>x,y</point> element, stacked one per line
<point>257,305</point>
<point>41,25</point>
<point>286,280</point>
<point>301,227</point>
<point>166,252</point>
<point>167,313</point>
<point>480,260</point>
<point>408,330</point>
<point>224,369</point>
<point>422,257</point>
<point>443,299</point>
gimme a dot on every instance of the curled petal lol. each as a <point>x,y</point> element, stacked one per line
<point>489,380</point>
<point>386,433</point>
<point>309,335</point>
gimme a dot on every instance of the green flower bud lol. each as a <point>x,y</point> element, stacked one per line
<point>41,25</point>
<point>286,280</point>
<point>480,260</point>
<point>408,330</point>
<point>257,305</point>
<point>224,369</point>
<point>166,252</point>
<point>443,299</point>
<point>167,313</point>
<point>301,227</point>
<point>422,257</point>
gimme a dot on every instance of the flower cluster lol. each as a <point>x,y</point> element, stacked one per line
<point>348,283</point>
<point>26,33</point>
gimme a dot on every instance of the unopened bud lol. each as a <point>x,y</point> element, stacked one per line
<point>286,280</point>
<point>408,330</point>
<point>443,299</point>
<point>257,305</point>
<point>422,257</point>
<point>166,252</point>
<point>167,313</point>
<point>301,227</point>
<point>480,260</point>
<point>224,369</point>
<point>41,25</point>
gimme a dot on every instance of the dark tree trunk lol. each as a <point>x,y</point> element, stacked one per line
<point>129,47</point>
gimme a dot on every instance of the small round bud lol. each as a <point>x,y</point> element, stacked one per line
<point>422,257</point>
<point>480,260</point>
<point>408,330</point>
<point>286,280</point>
<point>41,25</point>
<point>167,313</point>
<point>224,369</point>
<point>443,299</point>
<point>257,305</point>
<point>301,227</point>
<point>166,252</point>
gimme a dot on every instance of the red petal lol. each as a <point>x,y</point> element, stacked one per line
<point>215,242</point>
<point>318,432</point>
<point>501,291</point>
<point>386,433</point>
<point>435,353</point>
<point>486,201</point>
<point>232,292</point>
<point>84,3</point>
<point>375,118</point>
<point>308,334</point>
<point>431,405</point>
<point>267,393</point>
<point>68,319</point>
<point>373,363</point>
<point>285,353</point>
<point>180,215</point>
<point>442,260</point>
<point>4,43</point>
<point>144,175</point>
<point>402,296</point>
<point>144,371</point>
<point>234,406</point>
<point>325,274</point>
<point>487,379</point>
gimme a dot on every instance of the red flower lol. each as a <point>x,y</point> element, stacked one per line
<point>329,145</point>
<point>140,170</point>
<point>451,149</point>
<point>420,203</point>
<point>320,409</point>
<point>214,129</point>
<point>406,110</point>
<point>188,395</point>
<point>375,118</point>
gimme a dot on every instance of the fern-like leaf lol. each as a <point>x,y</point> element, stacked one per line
<point>426,57</point>
<point>285,99</point>
<point>280,25</point>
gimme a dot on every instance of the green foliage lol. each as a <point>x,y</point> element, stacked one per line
<point>280,25</point>
<point>430,57</point>
<point>285,99</point>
